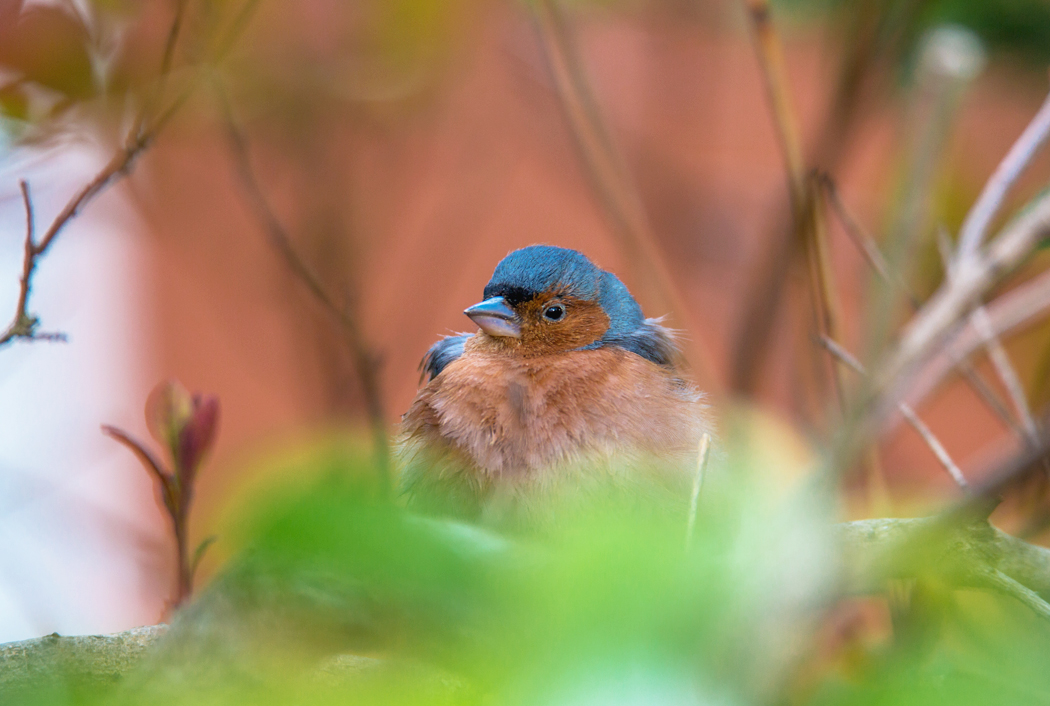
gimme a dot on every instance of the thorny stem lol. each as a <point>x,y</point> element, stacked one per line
<point>365,360</point>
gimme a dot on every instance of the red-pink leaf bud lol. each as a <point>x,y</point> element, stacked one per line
<point>196,437</point>
<point>168,409</point>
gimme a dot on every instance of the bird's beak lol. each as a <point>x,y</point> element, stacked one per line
<point>495,318</point>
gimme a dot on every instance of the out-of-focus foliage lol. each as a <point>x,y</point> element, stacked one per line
<point>338,598</point>
<point>1018,27</point>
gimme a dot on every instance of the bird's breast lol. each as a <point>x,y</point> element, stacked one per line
<point>512,416</point>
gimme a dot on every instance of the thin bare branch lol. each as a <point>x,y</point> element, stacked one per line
<point>24,324</point>
<point>997,354</point>
<point>612,182</point>
<point>774,75</point>
<point>139,138</point>
<point>1000,359</point>
<point>973,278</point>
<point>1020,307</point>
<point>365,361</point>
<point>856,232</point>
<point>806,198</point>
<point>867,246</point>
<point>30,247</point>
<point>935,445</point>
<point>698,485</point>
<point>1006,174</point>
<point>166,61</point>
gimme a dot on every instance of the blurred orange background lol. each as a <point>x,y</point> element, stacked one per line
<point>405,174</point>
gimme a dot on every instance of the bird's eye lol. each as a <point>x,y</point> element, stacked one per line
<point>553,313</point>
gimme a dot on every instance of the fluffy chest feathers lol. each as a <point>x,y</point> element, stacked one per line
<point>505,416</point>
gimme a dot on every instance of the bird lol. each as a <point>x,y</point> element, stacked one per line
<point>564,382</point>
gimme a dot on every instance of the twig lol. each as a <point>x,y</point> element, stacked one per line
<point>993,346</point>
<point>771,61</point>
<point>973,278</point>
<point>139,138</point>
<point>1009,312</point>
<point>857,233</point>
<point>167,58</point>
<point>806,201</point>
<point>365,361</point>
<point>908,413</point>
<point>868,39</point>
<point>867,246</point>
<point>611,180</point>
<point>982,324</point>
<point>991,199</point>
<point>698,484</point>
<point>808,210</point>
<point>24,325</point>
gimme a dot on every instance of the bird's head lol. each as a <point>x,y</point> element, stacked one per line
<point>544,299</point>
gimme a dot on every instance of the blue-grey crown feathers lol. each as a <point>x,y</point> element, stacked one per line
<point>542,268</point>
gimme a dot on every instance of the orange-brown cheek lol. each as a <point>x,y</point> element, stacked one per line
<point>584,323</point>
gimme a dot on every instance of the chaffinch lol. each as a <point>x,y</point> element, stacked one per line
<point>565,376</point>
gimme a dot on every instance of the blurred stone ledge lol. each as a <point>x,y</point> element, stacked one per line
<point>92,658</point>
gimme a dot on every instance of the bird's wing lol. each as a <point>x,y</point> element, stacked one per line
<point>653,342</point>
<point>441,354</point>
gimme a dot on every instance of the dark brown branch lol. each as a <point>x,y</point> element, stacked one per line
<point>364,359</point>
<point>24,324</point>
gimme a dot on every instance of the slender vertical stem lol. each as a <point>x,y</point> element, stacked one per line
<point>698,485</point>
<point>611,181</point>
<point>364,359</point>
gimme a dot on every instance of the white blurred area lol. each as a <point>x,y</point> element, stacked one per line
<point>83,547</point>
